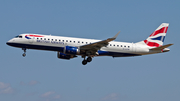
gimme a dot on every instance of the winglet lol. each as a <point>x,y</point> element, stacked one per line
<point>113,38</point>
<point>116,35</point>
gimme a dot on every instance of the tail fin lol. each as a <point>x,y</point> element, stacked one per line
<point>156,39</point>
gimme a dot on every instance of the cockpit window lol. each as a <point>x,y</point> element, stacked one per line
<point>19,36</point>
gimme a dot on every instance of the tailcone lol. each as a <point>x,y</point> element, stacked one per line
<point>166,50</point>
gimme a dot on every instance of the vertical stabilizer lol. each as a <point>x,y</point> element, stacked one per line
<point>156,39</point>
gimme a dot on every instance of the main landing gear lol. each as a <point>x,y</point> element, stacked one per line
<point>85,61</point>
<point>24,54</point>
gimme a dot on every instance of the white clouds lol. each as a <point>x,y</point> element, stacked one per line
<point>111,97</point>
<point>33,82</point>
<point>51,95</point>
<point>47,94</point>
<point>5,88</point>
<point>3,85</point>
<point>57,97</point>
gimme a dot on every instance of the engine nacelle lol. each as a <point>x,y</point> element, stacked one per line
<point>64,56</point>
<point>71,50</point>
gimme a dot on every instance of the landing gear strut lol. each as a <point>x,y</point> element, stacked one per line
<point>24,54</point>
<point>85,61</point>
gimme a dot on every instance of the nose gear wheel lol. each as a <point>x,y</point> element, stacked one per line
<point>24,54</point>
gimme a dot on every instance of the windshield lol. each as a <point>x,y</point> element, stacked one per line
<point>19,36</point>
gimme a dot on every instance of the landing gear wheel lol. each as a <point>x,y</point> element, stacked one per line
<point>24,55</point>
<point>89,59</point>
<point>84,62</point>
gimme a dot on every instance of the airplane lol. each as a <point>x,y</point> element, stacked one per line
<point>70,47</point>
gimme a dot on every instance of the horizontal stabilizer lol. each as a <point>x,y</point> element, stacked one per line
<point>161,47</point>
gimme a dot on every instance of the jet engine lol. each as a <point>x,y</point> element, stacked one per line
<point>71,50</point>
<point>64,56</point>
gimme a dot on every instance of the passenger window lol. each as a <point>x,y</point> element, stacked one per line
<point>37,38</point>
<point>48,39</point>
<point>70,41</point>
<point>66,40</point>
<point>121,45</point>
<point>114,45</point>
<point>55,39</point>
<point>110,44</point>
<point>86,42</point>
<point>59,40</point>
<point>117,45</point>
<point>124,46</point>
<point>41,38</point>
<point>74,41</point>
<point>78,41</point>
<point>52,39</point>
<point>82,42</point>
<point>63,40</point>
<point>128,46</point>
<point>44,38</point>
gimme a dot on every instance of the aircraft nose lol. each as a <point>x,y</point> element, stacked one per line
<point>10,42</point>
<point>7,43</point>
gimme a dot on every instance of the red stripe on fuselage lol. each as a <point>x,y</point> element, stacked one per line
<point>35,35</point>
<point>162,30</point>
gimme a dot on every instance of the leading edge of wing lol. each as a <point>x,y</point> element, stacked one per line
<point>97,45</point>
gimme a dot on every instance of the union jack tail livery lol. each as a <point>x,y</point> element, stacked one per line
<point>156,39</point>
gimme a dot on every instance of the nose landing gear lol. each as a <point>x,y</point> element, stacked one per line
<point>24,54</point>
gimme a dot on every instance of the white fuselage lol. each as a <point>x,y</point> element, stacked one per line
<point>57,43</point>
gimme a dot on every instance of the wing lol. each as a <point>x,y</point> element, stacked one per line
<point>94,47</point>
